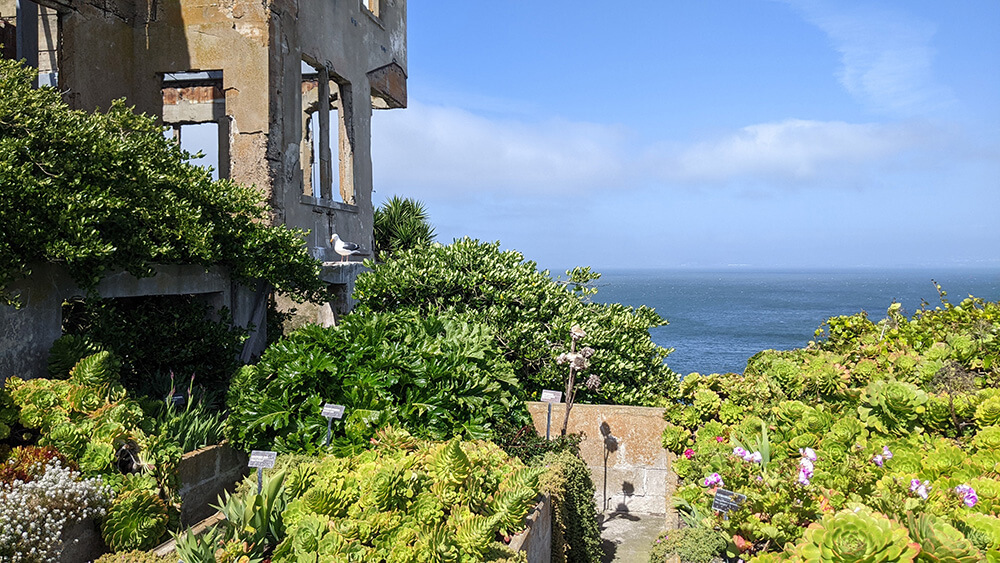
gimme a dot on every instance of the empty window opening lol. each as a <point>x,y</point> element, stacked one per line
<point>194,110</point>
<point>325,150</point>
<point>199,138</point>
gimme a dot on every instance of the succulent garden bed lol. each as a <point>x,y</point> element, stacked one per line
<point>879,442</point>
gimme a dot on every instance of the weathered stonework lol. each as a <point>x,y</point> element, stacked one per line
<point>622,447</point>
<point>238,65</point>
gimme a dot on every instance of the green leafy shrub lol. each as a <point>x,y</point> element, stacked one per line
<point>435,377</point>
<point>576,536</point>
<point>90,190</point>
<point>158,335</point>
<point>530,316</point>
<point>692,545</point>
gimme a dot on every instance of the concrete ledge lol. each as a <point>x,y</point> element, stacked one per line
<point>536,539</point>
<point>204,475</point>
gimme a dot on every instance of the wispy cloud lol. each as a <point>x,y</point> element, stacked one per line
<point>446,151</point>
<point>886,56</point>
<point>795,151</point>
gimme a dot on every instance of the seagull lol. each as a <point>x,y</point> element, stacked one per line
<point>344,248</point>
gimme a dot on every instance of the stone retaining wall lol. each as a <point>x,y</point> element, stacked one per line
<point>204,475</point>
<point>622,447</point>
<point>536,540</point>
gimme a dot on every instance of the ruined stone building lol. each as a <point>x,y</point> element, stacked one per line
<point>280,91</point>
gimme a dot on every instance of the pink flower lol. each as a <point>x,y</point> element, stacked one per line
<point>689,453</point>
<point>713,480</point>
<point>720,439</point>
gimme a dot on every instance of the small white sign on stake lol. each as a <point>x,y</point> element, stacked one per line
<point>262,459</point>
<point>550,396</point>
<point>333,411</point>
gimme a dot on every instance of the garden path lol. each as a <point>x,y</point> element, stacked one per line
<point>629,537</point>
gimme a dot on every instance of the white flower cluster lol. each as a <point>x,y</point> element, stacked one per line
<point>34,513</point>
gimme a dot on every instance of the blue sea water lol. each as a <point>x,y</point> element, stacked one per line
<point>719,319</point>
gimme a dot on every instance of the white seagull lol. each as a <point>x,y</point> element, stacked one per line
<point>344,248</point>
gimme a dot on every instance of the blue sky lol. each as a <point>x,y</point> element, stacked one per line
<point>759,133</point>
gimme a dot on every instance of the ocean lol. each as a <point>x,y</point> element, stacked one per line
<point>719,319</point>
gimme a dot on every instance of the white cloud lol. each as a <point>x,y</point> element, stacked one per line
<point>795,150</point>
<point>887,57</point>
<point>445,152</point>
<point>447,149</point>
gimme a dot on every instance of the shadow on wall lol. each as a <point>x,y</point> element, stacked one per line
<point>610,447</point>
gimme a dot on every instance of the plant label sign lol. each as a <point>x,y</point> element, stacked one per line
<point>333,411</point>
<point>262,459</point>
<point>727,501</point>
<point>550,396</point>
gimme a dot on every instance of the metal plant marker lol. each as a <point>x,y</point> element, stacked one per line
<point>331,411</point>
<point>261,459</point>
<point>549,396</point>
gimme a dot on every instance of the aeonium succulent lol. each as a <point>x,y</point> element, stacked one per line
<point>857,535</point>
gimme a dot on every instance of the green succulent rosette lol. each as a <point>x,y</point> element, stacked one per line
<point>707,403</point>
<point>856,536</point>
<point>891,407</point>
<point>988,412</point>
<point>988,438</point>
<point>939,541</point>
<point>676,438</point>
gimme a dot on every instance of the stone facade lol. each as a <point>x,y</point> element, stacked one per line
<point>622,447</point>
<point>282,90</point>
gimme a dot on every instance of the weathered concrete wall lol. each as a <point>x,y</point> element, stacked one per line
<point>122,48</point>
<point>204,475</point>
<point>536,539</point>
<point>622,447</point>
<point>27,333</point>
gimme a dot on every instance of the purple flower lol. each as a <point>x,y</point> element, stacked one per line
<point>740,452</point>
<point>920,488</point>
<point>803,478</point>
<point>689,453</point>
<point>806,467</point>
<point>756,458</point>
<point>713,480</point>
<point>968,495</point>
<point>886,453</point>
<point>808,453</point>
<point>877,460</point>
